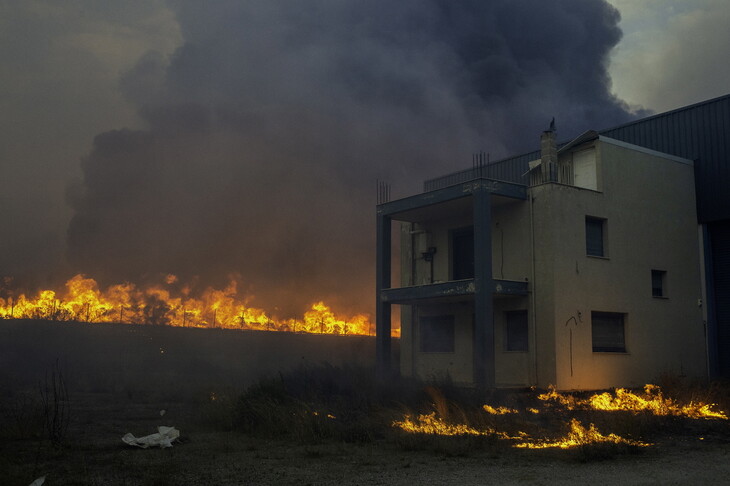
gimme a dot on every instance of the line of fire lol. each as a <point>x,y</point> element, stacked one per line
<point>126,303</point>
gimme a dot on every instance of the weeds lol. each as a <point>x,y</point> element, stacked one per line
<point>313,404</point>
<point>21,417</point>
<point>56,410</point>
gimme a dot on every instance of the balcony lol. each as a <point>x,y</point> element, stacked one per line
<point>449,291</point>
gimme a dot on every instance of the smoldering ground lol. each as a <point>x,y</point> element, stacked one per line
<point>267,129</point>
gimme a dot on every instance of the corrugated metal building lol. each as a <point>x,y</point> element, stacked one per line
<point>699,132</point>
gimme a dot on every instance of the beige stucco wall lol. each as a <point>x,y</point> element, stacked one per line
<point>649,203</point>
<point>456,367</point>
<point>512,368</point>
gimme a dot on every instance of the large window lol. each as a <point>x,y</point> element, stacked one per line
<point>515,331</point>
<point>437,334</point>
<point>595,236</point>
<point>608,332</point>
<point>462,253</point>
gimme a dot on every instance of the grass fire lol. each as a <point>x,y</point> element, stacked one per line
<point>170,303</point>
<point>651,401</point>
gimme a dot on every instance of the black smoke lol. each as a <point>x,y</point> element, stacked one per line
<point>269,126</point>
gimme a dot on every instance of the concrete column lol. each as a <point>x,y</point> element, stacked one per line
<point>382,309</point>
<point>484,374</point>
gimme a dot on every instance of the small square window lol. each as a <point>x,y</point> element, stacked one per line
<point>437,334</point>
<point>608,332</point>
<point>595,236</point>
<point>515,331</point>
<point>658,283</point>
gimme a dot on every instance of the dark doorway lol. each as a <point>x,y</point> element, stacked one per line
<point>462,253</point>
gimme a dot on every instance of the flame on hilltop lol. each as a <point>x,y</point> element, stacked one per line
<point>162,305</point>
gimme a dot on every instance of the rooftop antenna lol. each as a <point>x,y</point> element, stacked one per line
<point>383,191</point>
<point>479,163</point>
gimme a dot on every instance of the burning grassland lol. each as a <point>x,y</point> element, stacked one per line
<point>170,303</point>
<point>651,400</point>
<point>553,420</point>
<point>316,406</point>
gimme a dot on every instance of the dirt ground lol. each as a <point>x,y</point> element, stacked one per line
<point>123,381</point>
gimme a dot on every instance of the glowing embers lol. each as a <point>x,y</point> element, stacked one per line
<point>172,304</point>
<point>652,401</point>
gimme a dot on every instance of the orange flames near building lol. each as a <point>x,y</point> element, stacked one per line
<point>431,424</point>
<point>577,436</point>
<point>162,305</point>
<point>650,401</point>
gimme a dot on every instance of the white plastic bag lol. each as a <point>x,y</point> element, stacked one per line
<point>163,438</point>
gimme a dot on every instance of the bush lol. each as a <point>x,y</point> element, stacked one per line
<point>312,404</point>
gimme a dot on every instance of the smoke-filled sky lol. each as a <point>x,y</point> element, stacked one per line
<point>209,139</point>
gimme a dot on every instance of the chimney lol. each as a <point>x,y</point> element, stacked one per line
<point>549,154</point>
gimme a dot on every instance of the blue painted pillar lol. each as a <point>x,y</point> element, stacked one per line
<point>483,305</point>
<point>382,281</point>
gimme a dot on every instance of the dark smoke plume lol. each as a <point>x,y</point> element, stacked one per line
<point>268,128</point>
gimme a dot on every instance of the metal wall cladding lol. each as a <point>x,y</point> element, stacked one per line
<point>720,244</point>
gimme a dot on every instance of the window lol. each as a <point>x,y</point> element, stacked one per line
<point>515,330</point>
<point>437,334</point>
<point>595,236</point>
<point>608,333</point>
<point>658,283</point>
<point>462,253</point>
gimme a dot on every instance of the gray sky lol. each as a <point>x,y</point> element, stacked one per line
<point>144,137</point>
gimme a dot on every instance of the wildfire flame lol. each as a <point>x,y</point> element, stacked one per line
<point>652,401</point>
<point>126,303</point>
<point>498,410</point>
<point>433,425</point>
<point>578,436</point>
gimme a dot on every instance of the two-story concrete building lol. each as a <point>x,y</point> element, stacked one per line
<point>586,273</point>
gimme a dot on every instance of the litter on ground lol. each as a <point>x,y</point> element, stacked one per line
<point>164,437</point>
